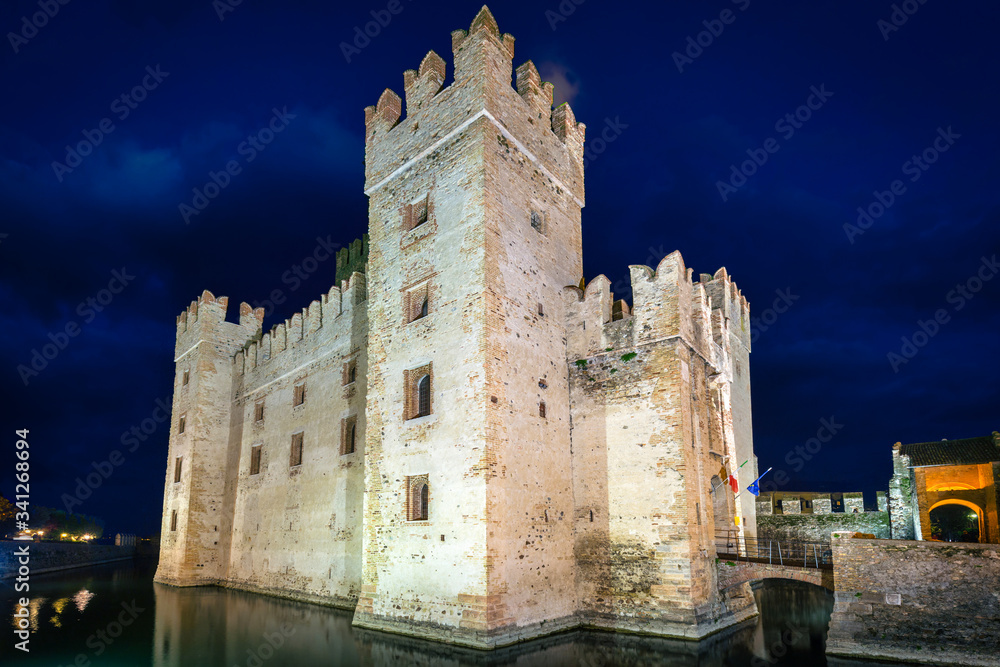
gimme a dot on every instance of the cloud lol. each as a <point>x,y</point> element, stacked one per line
<point>567,84</point>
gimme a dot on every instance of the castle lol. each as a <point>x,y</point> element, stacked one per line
<point>460,441</point>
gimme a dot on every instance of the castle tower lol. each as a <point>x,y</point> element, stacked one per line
<point>654,390</point>
<point>474,208</point>
<point>196,524</point>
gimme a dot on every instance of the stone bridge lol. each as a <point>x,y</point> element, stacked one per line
<point>733,572</point>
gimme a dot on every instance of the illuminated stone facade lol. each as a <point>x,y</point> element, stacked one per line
<point>462,440</point>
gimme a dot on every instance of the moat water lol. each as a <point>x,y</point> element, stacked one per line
<point>115,615</point>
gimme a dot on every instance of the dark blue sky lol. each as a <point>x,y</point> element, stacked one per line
<point>887,95</point>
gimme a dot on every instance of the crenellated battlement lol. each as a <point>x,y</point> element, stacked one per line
<point>205,319</point>
<point>397,134</point>
<point>666,303</point>
<point>352,259</point>
<point>304,328</point>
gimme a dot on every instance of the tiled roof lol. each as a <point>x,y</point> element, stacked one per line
<point>953,452</point>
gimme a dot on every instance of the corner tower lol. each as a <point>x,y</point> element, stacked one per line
<point>474,209</point>
<point>195,519</point>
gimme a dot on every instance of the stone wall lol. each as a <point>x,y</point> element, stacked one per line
<point>925,602</point>
<point>650,399</point>
<point>54,556</point>
<point>819,527</point>
<point>902,487</point>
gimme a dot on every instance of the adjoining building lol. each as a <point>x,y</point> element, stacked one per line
<point>461,440</point>
<point>929,476</point>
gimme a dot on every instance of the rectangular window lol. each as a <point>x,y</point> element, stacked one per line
<point>541,310</point>
<point>296,455</point>
<point>258,411</point>
<point>416,213</point>
<point>181,423</point>
<point>187,377</point>
<point>300,394</point>
<point>255,459</point>
<point>173,520</point>
<point>348,435</point>
<point>416,302</point>
<point>177,468</point>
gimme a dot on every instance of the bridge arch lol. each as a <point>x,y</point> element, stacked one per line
<point>733,573</point>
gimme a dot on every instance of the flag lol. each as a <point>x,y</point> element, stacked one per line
<point>737,521</point>
<point>755,488</point>
<point>733,484</point>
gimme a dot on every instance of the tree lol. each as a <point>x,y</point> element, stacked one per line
<point>6,510</point>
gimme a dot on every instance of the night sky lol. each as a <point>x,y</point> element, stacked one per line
<point>898,118</point>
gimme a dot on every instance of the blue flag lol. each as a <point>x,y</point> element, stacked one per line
<point>754,488</point>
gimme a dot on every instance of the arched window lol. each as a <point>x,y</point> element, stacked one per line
<point>424,396</point>
<point>353,437</point>
<point>423,308</point>
<point>352,374</point>
<point>419,498</point>
<point>423,503</point>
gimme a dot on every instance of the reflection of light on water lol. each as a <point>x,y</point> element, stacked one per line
<point>58,605</point>
<point>18,609</point>
<point>35,611</point>
<point>81,599</point>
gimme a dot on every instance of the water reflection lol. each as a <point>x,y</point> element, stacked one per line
<point>190,627</point>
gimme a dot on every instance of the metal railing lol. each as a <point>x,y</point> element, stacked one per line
<point>732,545</point>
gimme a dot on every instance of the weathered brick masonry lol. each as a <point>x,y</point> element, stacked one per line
<point>928,602</point>
<point>529,456</point>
